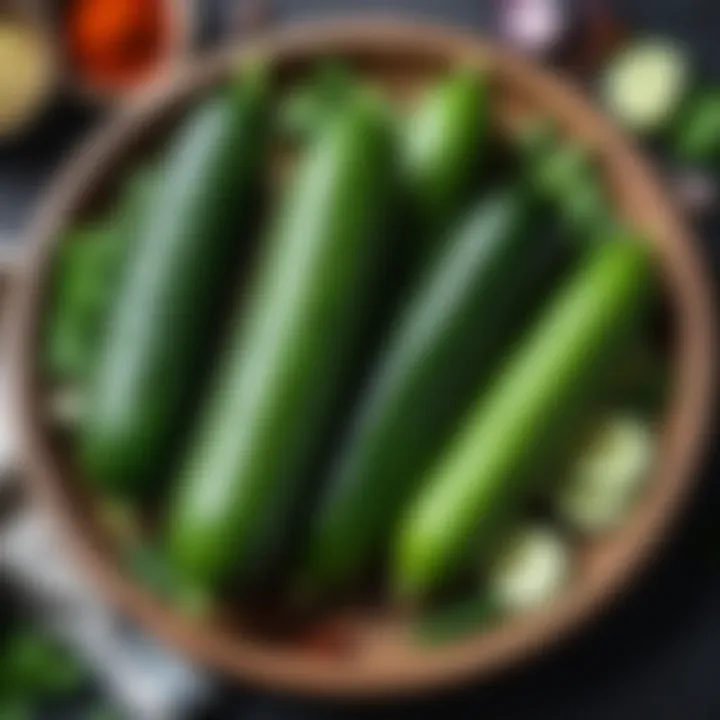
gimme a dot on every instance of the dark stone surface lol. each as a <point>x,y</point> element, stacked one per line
<point>656,653</point>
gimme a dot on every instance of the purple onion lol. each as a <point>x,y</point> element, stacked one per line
<point>534,26</point>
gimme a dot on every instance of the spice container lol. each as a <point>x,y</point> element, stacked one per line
<point>27,76</point>
<point>113,48</point>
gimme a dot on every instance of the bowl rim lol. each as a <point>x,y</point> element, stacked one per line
<point>516,641</point>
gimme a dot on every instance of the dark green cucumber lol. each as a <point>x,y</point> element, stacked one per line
<point>292,349</point>
<point>485,278</point>
<point>441,141</point>
<point>441,153</point>
<point>484,472</point>
<point>158,328</point>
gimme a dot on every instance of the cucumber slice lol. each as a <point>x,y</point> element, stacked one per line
<point>644,86</point>
<point>608,475</point>
<point>530,570</point>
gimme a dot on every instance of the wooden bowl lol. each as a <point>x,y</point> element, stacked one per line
<point>382,660</point>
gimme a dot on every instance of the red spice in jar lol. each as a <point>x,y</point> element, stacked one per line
<point>116,43</point>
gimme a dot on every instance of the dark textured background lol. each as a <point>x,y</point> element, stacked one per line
<point>656,654</point>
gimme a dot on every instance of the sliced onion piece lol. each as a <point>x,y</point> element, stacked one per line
<point>608,475</point>
<point>532,569</point>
